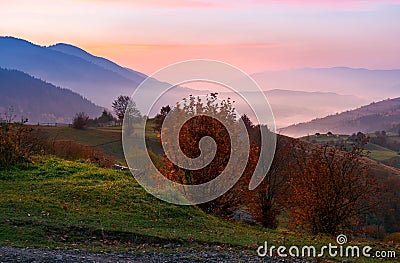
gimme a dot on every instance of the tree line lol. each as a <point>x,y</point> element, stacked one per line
<point>321,189</point>
<point>120,105</point>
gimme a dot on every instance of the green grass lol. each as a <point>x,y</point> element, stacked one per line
<point>324,138</point>
<point>107,139</point>
<point>53,203</point>
<point>380,153</point>
<point>89,136</point>
<point>42,202</point>
<point>375,152</point>
<point>394,138</point>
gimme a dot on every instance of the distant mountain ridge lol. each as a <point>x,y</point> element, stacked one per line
<point>99,61</point>
<point>291,106</point>
<point>40,101</point>
<point>379,116</point>
<point>365,83</point>
<point>292,93</point>
<point>69,67</point>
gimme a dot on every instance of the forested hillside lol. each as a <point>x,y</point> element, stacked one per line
<point>40,101</point>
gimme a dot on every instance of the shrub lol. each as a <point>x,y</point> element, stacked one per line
<point>17,143</point>
<point>393,237</point>
<point>80,120</point>
<point>71,150</point>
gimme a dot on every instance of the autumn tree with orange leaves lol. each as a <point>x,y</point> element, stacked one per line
<point>270,196</point>
<point>331,189</point>
<point>203,124</point>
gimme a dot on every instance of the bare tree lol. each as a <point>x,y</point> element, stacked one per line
<point>272,192</point>
<point>9,115</point>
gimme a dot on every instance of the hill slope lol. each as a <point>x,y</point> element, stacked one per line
<point>67,66</point>
<point>99,61</point>
<point>87,77</point>
<point>383,115</point>
<point>40,101</point>
<point>56,203</point>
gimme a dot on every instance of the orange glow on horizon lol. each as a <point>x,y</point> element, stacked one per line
<point>256,35</point>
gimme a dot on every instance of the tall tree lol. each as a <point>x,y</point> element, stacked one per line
<point>247,122</point>
<point>105,117</point>
<point>205,124</point>
<point>160,117</point>
<point>119,105</point>
<point>270,195</point>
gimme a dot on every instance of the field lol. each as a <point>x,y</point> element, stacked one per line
<point>380,153</point>
<point>52,203</point>
<point>107,139</point>
<point>373,151</point>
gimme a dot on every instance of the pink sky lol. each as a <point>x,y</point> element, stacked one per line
<point>146,35</point>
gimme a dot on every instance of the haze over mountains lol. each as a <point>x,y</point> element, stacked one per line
<point>383,115</point>
<point>40,101</point>
<point>67,66</point>
<point>291,107</point>
<point>373,85</point>
<point>295,95</point>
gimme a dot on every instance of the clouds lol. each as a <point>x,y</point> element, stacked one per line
<point>195,4</point>
<point>250,4</point>
<point>254,35</point>
<point>316,5</point>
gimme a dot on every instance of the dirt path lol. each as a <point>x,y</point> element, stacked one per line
<point>12,254</point>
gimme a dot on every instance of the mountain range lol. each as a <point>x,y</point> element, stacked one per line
<point>95,78</point>
<point>295,96</point>
<point>369,84</point>
<point>299,106</point>
<point>377,116</point>
<point>40,101</point>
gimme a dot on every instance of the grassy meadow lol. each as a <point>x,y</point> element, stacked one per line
<point>53,203</point>
<point>58,204</point>
<point>373,151</point>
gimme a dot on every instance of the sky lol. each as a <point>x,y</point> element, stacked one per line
<point>253,35</point>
